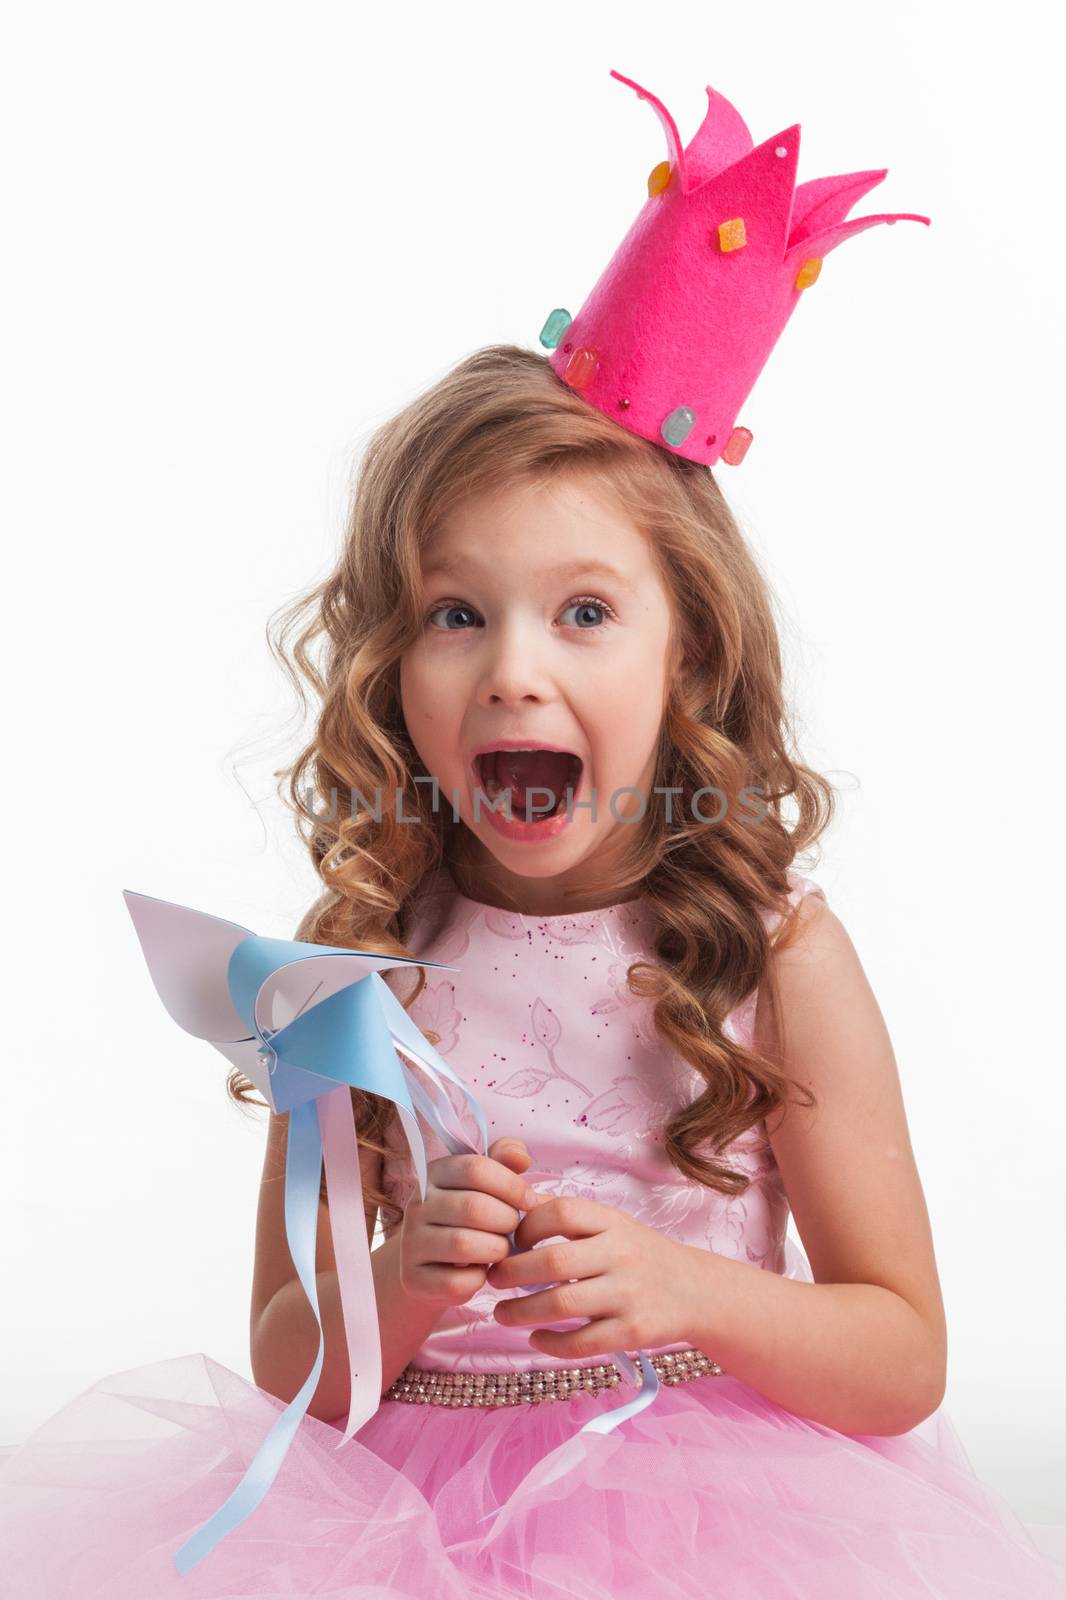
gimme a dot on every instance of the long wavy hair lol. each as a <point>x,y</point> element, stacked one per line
<point>500,417</point>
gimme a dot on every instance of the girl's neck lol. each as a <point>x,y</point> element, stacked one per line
<point>531,897</point>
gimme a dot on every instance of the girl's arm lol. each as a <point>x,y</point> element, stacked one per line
<point>863,1349</point>
<point>284,1333</point>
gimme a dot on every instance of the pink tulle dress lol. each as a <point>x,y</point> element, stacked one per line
<point>711,1491</point>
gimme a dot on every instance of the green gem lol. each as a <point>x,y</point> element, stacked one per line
<point>554,328</point>
<point>678,425</point>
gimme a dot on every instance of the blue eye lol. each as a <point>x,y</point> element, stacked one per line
<point>582,601</point>
<point>590,601</point>
<point>449,605</point>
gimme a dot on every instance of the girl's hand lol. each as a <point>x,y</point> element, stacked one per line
<point>472,1203</point>
<point>634,1282</point>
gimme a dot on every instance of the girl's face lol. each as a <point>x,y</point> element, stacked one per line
<point>546,622</point>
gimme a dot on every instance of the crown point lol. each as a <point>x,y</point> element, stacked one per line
<point>556,325</point>
<point>581,368</point>
<point>731,234</point>
<point>659,178</point>
<point>678,425</point>
<point>736,446</point>
<point>808,273</point>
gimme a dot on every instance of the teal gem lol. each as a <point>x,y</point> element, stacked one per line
<point>554,328</point>
<point>678,425</point>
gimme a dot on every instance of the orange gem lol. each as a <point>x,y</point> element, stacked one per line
<point>581,368</point>
<point>731,235</point>
<point>659,178</point>
<point>736,447</point>
<point>808,273</point>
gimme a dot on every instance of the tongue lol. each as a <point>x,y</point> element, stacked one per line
<point>532,769</point>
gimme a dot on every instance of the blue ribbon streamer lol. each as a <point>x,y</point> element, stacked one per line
<point>303,1177</point>
<point>347,1038</point>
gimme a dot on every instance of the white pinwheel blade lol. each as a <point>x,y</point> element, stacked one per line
<point>244,1054</point>
<point>188,956</point>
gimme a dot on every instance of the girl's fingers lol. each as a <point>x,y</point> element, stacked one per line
<point>596,1341</point>
<point>483,1175</point>
<point>586,1297</point>
<point>512,1152</point>
<point>569,1216</point>
<point>460,1247</point>
<point>585,1258</point>
<point>468,1208</point>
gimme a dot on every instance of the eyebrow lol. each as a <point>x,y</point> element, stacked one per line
<point>566,569</point>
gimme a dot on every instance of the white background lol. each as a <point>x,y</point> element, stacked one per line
<point>238,237</point>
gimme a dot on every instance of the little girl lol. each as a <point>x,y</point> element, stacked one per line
<point>553,753</point>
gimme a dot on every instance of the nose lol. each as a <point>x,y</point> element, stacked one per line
<point>514,668</point>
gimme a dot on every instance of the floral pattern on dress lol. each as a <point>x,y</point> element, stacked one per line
<point>619,993</point>
<point>540,1025</point>
<point>625,1107</point>
<point>438,1010</point>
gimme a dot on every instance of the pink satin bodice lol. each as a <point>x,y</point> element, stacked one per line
<point>540,1025</point>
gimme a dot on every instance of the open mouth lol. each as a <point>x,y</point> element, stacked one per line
<point>525,775</point>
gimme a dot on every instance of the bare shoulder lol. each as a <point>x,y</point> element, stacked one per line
<point>816,970</point>
<point>847,1162</point>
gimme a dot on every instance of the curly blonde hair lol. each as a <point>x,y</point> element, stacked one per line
<point>500,417</point>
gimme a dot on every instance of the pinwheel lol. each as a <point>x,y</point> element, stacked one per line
<point>305,1023</point>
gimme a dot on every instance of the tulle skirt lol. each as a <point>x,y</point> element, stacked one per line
<point>712,1491</point>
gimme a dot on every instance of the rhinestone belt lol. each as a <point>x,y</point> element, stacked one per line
<point>421,1386</point>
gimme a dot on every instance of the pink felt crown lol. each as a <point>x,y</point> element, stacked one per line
<point>682,320</point>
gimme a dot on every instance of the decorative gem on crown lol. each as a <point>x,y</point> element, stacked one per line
<point>681,322</point>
